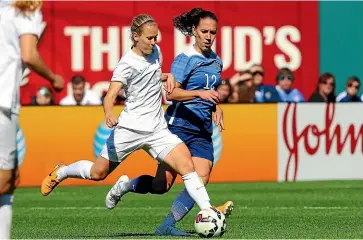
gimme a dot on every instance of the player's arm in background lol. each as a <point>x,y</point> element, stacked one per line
<point>28,28</point>
<point>181,68</point>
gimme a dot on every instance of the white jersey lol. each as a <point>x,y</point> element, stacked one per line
<point>13,24</point>
<point>89,98</point>
<point>141,77</point>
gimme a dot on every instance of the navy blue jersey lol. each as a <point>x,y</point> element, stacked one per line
<point>344,97</point>
<point>195,72</point>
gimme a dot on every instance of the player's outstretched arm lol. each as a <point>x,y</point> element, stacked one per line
<point>31,57</point>
<point>114,88</point>
<point>180,94</point>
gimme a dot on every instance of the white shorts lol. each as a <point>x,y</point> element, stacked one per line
<point>8,127</point>
<point>122,142</point>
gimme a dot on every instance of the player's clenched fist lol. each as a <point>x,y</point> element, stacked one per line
<point>58,83</point>
<point>111,120</point>
<point>169,82</point>
<point>210,95</point>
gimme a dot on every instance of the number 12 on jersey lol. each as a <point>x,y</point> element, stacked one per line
<point>210,82</point>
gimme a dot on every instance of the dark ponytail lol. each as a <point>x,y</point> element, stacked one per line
<point>185,21</point>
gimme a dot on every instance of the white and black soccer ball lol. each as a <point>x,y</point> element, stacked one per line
<point>210,223</point>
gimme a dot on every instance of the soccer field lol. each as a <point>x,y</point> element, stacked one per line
<point>323,210</point>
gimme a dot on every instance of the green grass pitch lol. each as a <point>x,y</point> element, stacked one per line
<point>303,210</point>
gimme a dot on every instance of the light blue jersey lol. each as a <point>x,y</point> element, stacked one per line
<point>195,72</point>
<point>293,95</point>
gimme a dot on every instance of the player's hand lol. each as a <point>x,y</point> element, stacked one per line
<point>169,81</point>
<point>58,83</point>
<point>218,118</point>
<point>209,95</point>
<point>111,120</point>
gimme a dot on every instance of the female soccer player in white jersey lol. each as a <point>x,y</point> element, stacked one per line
<point>141,125</point>
<point>20,26</point>
<point>197,72</point>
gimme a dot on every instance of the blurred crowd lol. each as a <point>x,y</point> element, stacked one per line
<point>243,87</point>
<point>249,87</point>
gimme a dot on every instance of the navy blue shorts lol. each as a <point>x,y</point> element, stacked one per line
<point>199,144</point>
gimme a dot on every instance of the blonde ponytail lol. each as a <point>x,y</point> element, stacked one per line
<point>28,6</point>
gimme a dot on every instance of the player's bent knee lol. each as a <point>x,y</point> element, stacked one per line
<point>7,182</point>
<point>205,179</point>
<point>98,174</point>
<point>17,179</point>
<point>6,186</point>
<point>100,169</point>
<point>188,165</point>
<point>160,186</point>
<point>180,160</point>
<point>204,175</point>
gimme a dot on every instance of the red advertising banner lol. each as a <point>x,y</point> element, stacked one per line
<point>88,38</point>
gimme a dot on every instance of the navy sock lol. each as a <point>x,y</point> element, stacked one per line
<point>142,184</point>
<point>181,206</point>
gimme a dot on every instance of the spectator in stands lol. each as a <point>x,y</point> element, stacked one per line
<point>351,91</point>
<point>44,97</point>
<point>325,89</point>
<point>263,92</point>
<point>241,82</point>
<point>246,88</point>
<point>258,73</point>
<point>80,95</point>
<point>225,91</point>
<point>234,97</point>
<point>285,79</point>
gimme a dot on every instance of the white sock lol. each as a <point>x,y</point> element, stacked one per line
<point>80,169</point>
<point>196,190</point>
<point>6,214</point>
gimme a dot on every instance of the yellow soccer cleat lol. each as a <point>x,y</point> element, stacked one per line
<point>51,181</point>
<point>226,208</point>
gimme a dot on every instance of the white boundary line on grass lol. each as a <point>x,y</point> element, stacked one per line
<point>161,208</point>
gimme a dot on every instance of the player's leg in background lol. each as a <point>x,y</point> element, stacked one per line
<point>8,170</point>
<point>160,184</point>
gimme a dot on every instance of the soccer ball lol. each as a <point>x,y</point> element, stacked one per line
<point>210,223</point>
